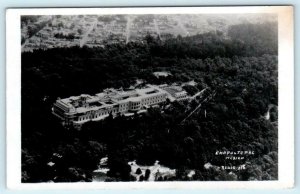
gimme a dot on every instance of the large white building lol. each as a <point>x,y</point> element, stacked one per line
<point>80,109</point>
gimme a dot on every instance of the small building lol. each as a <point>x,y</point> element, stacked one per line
<point>160,74</point>
<point>175,92</point>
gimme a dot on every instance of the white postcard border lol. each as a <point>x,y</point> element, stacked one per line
<point>286,98</point>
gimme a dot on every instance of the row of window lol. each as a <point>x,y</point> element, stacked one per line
<point>135,107</point>
<point>182,96</point>
<point>154,101</point>
<point>85,117</point>
<point>124,105</point>
<point>154,98</point>
<point>135,104</point>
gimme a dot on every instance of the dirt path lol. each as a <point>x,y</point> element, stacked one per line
<point>85,37</point>
<point>199,106</point>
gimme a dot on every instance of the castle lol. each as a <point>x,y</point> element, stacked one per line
<point>77,110</point>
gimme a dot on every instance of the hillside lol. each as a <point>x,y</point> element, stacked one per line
<point>242,72</point>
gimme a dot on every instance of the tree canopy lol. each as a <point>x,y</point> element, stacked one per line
<point>242,68</point>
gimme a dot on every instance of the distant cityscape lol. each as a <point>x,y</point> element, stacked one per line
<point>44,32</point>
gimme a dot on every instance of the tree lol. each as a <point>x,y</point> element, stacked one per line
<point>147,174</point>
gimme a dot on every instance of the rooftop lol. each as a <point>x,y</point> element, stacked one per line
<point>111,98</point>
<point>161,74</point>
<point>108,98</point>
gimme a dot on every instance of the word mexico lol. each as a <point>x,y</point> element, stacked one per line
<point>77,110</point>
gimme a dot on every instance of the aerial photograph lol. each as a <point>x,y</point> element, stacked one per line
<point>149,97</point>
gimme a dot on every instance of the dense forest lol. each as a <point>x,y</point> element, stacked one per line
<point>239,67</point>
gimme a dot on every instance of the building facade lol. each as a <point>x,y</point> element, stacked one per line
<point>80,109</point>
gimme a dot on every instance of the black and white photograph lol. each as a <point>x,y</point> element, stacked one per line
<point>149,96</point>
